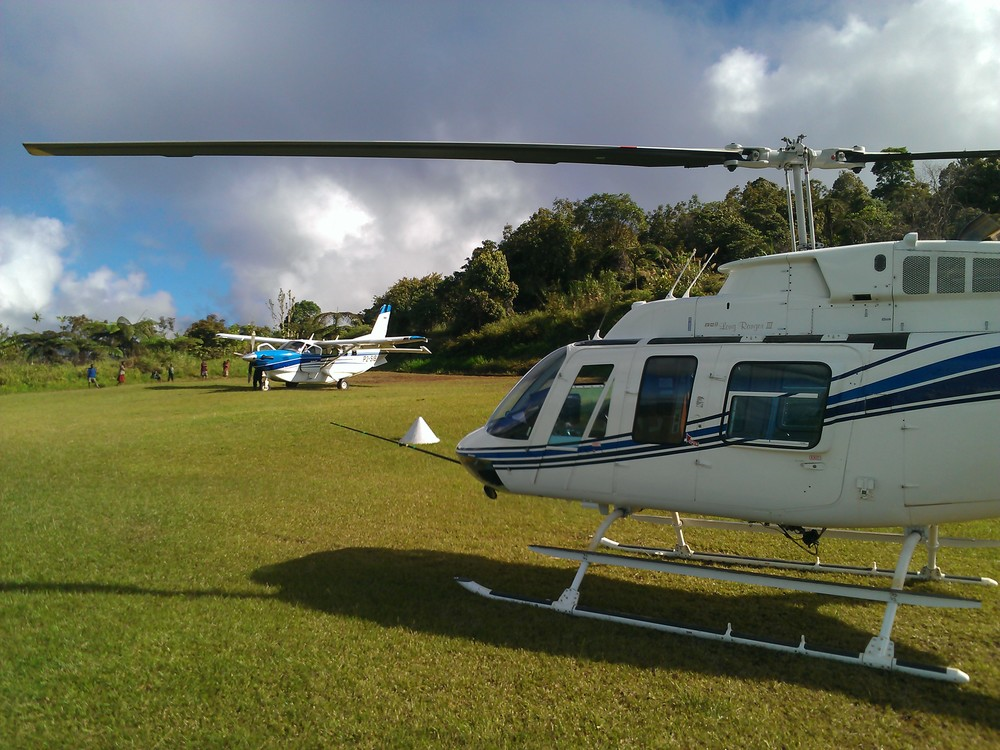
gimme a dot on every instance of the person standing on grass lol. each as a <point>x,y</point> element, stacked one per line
<point>204,369</point>
<point>170,373</point>
<point>92,376</point>
<point>121,373</point>
<point>225,369</point>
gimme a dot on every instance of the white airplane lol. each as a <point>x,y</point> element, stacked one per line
<point>853,387</point>
<point>297,361</point>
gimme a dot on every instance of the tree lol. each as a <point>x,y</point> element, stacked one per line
<point>541,255</point>
<point>203,332</point>
<point>720,224</point>
<point>485,292</point>
<point>415,303</point>
<point>892,178</point>
<point>851,215</point>
<point>764,207</point>
<point>302,320</point>
<point>280,310</point>
<point>611,226</point>
<point>976,183</point>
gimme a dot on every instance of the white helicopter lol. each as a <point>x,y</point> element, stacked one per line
<point>297,361</point>
<point>852,386</point>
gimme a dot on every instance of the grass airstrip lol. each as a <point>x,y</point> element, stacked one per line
<point>202,565</point>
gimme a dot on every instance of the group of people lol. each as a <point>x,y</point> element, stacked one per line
<point>155,375</point>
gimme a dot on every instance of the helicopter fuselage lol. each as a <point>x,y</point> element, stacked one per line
<point>855,386</point>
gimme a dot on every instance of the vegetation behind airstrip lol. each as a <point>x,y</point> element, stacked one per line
<point>566,272</point>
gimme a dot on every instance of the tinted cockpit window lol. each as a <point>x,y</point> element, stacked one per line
<point>516,415</point>
<point>584,413</point>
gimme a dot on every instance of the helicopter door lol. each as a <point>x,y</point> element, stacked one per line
<point>657,468</point>
<point>575,464</point>
<point>775,455</point>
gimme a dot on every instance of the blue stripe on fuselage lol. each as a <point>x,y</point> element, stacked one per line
<point>966,378</point>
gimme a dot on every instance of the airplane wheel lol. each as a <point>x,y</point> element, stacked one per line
<point>342,385</point>
<point>265,386</point>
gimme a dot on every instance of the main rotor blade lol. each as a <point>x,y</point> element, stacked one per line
<point>524,153</point>
<point>855,157</point>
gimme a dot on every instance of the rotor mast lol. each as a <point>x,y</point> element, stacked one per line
<point>796,160</point>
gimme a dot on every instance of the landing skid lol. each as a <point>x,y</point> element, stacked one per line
<point>683,551</point>
<point>879,653</point>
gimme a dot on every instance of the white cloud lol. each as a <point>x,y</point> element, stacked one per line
<point>30,266</point>
<point>920,74</point>
<point>105,295</point>
<point>737,83</point>
<point>296,228</point>
<point>34,280</point>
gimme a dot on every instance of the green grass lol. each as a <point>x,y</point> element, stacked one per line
<point>203,565</point>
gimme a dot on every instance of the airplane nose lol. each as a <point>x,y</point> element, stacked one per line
<point>249,357</point>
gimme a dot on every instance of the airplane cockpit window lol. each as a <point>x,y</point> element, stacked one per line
<point>780,404</point>
<point>664,395</point>
<point>313,349</point>
<point>293,346</point>
<point>515,416</point>
<point>584,413</point>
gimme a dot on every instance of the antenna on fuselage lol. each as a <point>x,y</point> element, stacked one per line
<point>670,294</point>
<point>687,292</point>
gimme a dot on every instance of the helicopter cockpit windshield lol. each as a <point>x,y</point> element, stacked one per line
<point>516,414</point>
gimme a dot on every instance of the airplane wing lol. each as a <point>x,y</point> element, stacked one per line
<point>390,344</point>
<point>258,339</point>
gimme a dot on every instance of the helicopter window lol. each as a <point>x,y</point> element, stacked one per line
<point>586,406</point>
<point>917,274</point>
<point>777,403</point>
<point>950,275</point>
<point>986,274</point>
<point>515,416</point>
<point>664,394</point>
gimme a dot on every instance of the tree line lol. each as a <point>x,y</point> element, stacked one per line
<point>585,258</point>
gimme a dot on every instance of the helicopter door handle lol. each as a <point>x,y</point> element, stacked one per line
<point>813,465</point>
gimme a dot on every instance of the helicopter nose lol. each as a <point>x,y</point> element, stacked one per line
<point>482,469</point>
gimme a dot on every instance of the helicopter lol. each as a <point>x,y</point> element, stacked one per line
<point>825,391</point>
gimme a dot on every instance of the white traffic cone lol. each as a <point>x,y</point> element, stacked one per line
<point>419,434</point>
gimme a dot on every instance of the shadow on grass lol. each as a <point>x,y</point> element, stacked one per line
<point>237,386</point>
<point>415,589</point>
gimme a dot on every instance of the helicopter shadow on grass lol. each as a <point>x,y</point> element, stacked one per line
<point>415,589</point>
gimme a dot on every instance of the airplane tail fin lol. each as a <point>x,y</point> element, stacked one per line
<point>381,326</point>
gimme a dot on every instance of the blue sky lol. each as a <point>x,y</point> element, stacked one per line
<point>151,237</point>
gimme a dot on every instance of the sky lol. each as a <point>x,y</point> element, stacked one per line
<point>148,237</point>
